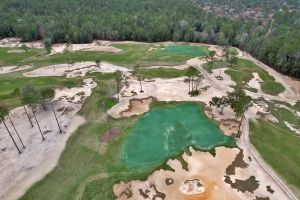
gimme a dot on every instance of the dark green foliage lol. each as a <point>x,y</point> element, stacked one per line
<point>274,40</point>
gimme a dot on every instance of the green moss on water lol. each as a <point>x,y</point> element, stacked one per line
<point>165,132</point>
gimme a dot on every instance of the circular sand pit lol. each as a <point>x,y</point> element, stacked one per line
<point>109,135</point>
<point>192,187</point>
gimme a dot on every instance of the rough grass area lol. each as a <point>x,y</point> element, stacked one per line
<point>241,73</point>
<point>9,87</point>
<point>161,73</point>
<point>15,56</point>
<point>279,148</point>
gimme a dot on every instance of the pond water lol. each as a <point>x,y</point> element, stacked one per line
<point>166,131</point>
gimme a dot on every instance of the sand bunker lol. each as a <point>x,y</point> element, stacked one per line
<point>103,46</point>
<point>202,180</point>
<point>75,70</point>
<point>202,176</point>
<point>137,107</point>
<point>16,42</point>
<point>10,69</point>
<point>255,82</point>
<point>19,171</point>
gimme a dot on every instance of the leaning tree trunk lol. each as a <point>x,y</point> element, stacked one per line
<point>11,137</point>
<point>38,126</point>
<point>55,116</point>
<point>28,116</point>
<point>16,131</point>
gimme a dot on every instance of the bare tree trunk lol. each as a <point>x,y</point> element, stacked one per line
<point>141,90</point>
<point>55,116</point>
<point>16,131</point>
<point>28,116</point>
<point>38,126</point>
<point>189,85</point>
<point>11,137</point>
<point>192,84</point>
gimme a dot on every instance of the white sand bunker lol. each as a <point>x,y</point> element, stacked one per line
<point>9,69</point>
<point>98,45</point>
<point>175,89</point>
<point>192,187</point>
<point>255,82</point>
<point>16,42</point>
<point>75,70</point>
<point>19,171</point>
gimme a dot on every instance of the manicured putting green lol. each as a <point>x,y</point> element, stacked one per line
<point>165,132</point>
<point>187,50</point>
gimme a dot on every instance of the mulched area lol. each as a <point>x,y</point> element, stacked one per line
<point>109,135</point>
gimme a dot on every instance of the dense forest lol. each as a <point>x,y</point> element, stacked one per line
<point>273,36</point>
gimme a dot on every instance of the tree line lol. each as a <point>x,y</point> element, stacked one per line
<point>276,43</point>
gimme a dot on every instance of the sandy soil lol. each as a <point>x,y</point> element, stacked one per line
<point>97,45</point>
<point>75,70</point>
<point>202,166</point>
<point>255,82</point>
<point>19,171</point>
<point>16,42</point>
<point>10,69</point>
<point>137,107</point>
<point>229,126</point>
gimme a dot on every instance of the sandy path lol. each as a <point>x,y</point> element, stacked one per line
<point>10,69</point>
<point>19,171</point>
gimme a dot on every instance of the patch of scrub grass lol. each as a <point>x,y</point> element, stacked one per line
<point>282,114</point>
<point>272,87</point>
<point>241,73</point>
<point>18,58</point>
<point>9,87</point>
<point>161,73</point>
<point>279,148</point>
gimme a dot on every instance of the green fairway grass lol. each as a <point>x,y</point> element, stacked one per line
<point>279,148</point>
